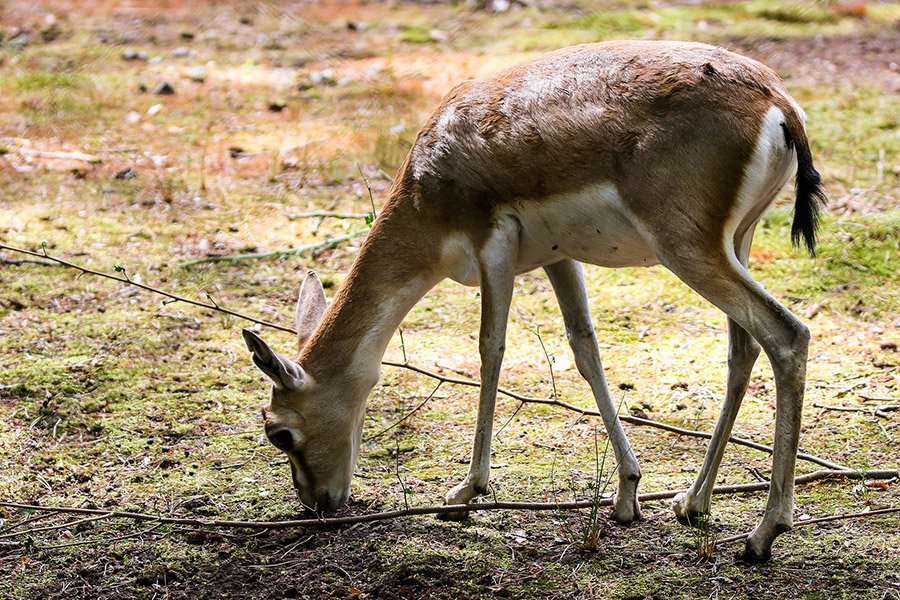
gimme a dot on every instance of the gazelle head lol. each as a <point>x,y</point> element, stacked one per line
<point>311,421</point>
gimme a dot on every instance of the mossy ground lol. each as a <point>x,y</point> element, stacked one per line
<point>111,398</point>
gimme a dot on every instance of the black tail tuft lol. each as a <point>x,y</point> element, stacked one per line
<point>810,198</point>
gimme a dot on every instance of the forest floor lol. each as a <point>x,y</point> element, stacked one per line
<point>113,399</point>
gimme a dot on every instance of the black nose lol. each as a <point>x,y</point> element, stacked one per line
<point>282,439</point>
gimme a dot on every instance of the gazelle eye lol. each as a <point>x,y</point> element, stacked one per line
<point>282,439</point>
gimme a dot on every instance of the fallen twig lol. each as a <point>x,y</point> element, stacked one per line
<point>128,281</point>
<point>80,156</point>
<point>878,398</point>
<point>57,526</point>
<point>329,243</point>
<point>407,415</point>
<point>626,418</point>
<point>24,261</point>
<point>859,515</point>
<point>106,540</point>
<point>323,214</point>
<point>881,474</point>
<point>879,411</point>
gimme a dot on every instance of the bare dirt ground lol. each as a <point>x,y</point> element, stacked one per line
<point>112,400</point>
<point>818,60</point>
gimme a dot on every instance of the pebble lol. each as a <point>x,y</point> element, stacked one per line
<point>134,55</point>
<point>163,89</point>
<point>197,74</point>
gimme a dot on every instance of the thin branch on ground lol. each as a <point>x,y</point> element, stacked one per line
<point>872,475</point>
<point>23,522</point>
<point>537,332</point>
<point>452,380</point>
<point>127,281</point>
<point>879,411</point>
<point>233,258</point>
<point>80,156</point>
<point>369,188</point>
<point>105,541</point>
<point>407,415</point>
<point>878,398</point>
<point>65,525</point>
<point>24,261</point>
<point>234,465</point>
<point>325,214</point>
<point>626,418</point>
<point>858,515</point>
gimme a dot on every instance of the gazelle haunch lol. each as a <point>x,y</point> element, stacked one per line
<point>616,154</point>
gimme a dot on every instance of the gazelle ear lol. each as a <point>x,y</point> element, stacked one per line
<point>310,307</point>
<point>284,373</point>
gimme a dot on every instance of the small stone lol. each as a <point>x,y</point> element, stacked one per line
<point>19,41</point>
<point>180,52</point>
<point>132,117</point>
<point>127,173</point>
<point>437,35</point>
<point>134,55</point>
<point>197,74</point>
<point>640,414</point>
<point>163,89</point>
<point>154,109</point>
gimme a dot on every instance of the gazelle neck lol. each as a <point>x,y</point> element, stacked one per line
<point>394,269</point>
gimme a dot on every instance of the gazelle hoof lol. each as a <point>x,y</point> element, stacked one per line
<point>754,555</point>
<point>685,513</point>
<point>627,512</point>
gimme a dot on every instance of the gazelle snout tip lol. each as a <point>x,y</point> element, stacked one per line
<point>324,502</point>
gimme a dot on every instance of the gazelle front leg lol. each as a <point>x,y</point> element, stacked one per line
<point>497,275</point>
<point>567,279</point>
<point>693,504</point>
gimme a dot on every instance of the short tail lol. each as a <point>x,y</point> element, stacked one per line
<point>810,194</point>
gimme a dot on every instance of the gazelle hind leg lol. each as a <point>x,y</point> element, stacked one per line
<point>693,504</point>
<point>567,279</point>
<point>722,280</point>
<point>497,278</point>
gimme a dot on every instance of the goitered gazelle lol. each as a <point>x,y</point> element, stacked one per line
<point>616,154</point>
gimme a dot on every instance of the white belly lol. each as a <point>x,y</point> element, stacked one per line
<point>589,226</point>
